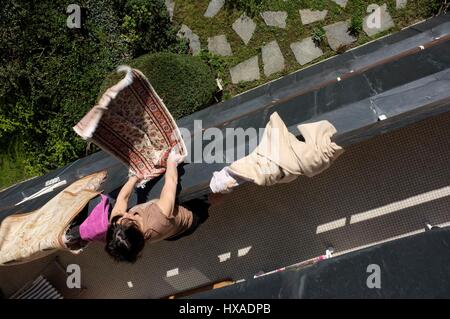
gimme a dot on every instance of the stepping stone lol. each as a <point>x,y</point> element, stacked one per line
<point>378,21</point>
<point>338,35</point>
<point>244,27</point>
<point>401,4</point>
<point>306,51</point>
<point>219,45</point>
<point>194,40</point>
<point>170,5</point>
<point>214,8</point>
<point>275,18</point>
<point>273,59</point>
<point>245,71</point>
<point>342,3</point>
<point>308,16</point>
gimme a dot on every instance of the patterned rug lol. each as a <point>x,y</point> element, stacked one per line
<point>132,123</point>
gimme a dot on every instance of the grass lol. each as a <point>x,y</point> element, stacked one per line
<point>190,12</point>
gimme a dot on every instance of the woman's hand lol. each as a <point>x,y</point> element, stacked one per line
<point>174,157</point>
<point>135,177</point>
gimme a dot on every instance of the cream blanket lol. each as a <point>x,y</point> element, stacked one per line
<point>29,236</point>
<point>280,157</point>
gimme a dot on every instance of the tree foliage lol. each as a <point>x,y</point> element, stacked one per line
<point>50,74</point>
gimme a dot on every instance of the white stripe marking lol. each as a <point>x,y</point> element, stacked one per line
<point>415,232</point>
<point>43,191</point>
<point>130,284</point>
<point>224,257</point>
<point>331,225</point>
<point>172,272</point>
<point>52,181</point>
<point>244,251</point>
<point>406,203</point>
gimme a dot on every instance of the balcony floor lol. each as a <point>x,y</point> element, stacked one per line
<point>377,190</point>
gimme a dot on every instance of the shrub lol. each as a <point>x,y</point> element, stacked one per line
<point>185,83</point>
<point>147,28</point>
<point>356,25</point>
<point>215,62</point>
<point>52,75</point>
<point>250,7</point>
<point>318,35</point>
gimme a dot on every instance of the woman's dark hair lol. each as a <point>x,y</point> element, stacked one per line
<point>124,241</point>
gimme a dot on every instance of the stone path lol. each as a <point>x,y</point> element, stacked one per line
<point>194,40</point>
<point>378,21</point>
<point>342,3</point>
<point>306,51</point>
<point>273,59</point>
<point>275,18</point>
<point>401,4</point>
<point>170,5</point>
<point>244,27</point>
<point>214,8</point>
<point>337,35</point>
<point>219,45</point>
<point>308,16</point>
<point>245,71</point>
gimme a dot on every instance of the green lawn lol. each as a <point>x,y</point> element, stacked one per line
<point>190,12</point>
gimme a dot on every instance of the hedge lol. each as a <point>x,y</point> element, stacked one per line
<point>185,83</point>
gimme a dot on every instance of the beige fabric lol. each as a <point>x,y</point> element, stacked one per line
<point>29,236</point>
<point>281,157</point>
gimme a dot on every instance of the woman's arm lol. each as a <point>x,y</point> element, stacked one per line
<point>122,199</point>
<point>166,201</point>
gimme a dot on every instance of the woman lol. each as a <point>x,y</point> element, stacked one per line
<point>152,221</point>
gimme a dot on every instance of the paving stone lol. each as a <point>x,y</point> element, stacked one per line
<point>378,21</point>
<point>244,27</point>
<point>214,8</point>
<point>219,45</point>
<point>401,4</point>
<point>245,71</point>
<point>273,59</point>
<point>337,35</point>
<point>342,3</point>
<point>170,5</point>
<point>194,40</point>
<point>309,16</point>
<point>306,51</point>
<point>275,18</point>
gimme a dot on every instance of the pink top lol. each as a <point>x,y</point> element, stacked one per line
<point>95,226</point>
